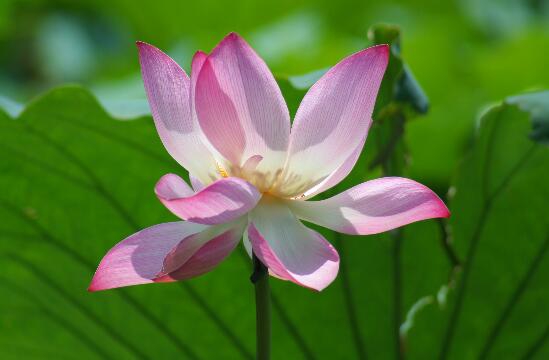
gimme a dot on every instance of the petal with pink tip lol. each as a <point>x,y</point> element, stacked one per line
<point>290,250</point>
<point>168,91</point>
<point>373,207</point>
<point>240,107</point>
<point>140,257</point>
<point>333,119</point>
<point>220,202</point>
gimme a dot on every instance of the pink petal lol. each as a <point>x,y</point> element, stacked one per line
<point>240,107</point>
<point>333,119</point>
<point>214,251</point>
<point>220,202</point>
<point>139,258</point>
<point>168,91</point>
<point>251,164</point>
<point>373,207</point>
<point>290,250</point>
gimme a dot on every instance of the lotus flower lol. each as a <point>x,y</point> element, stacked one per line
<point>252,171</point>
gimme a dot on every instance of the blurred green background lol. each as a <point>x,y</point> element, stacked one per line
<point>466,54</point>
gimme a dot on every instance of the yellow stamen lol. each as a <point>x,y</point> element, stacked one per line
<point>221,170</point>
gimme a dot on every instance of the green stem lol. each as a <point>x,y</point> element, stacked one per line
<point>354,322</point>
<point>260,278</point>
<point>397,293</point>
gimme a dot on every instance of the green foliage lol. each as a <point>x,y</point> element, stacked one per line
<point>399,84</point>
<point>500,229</point>
<point>537,104</point>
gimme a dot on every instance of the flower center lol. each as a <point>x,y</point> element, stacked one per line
<point>265,182</point>
<point>273,183</point>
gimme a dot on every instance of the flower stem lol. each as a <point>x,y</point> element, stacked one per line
<point>260,278</point>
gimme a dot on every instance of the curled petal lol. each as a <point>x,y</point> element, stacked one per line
<point>251,164</point>
<point>168,90</point>
<point>373,207</point>
<point>222,201</point>
<point>173,186</point>
<point>200,253</point>
<point>196,65</point>
<point>290,250</point>
<point>240,107</point>
<point>333,120</point>
<point>140,257</point>
<point>195,183</point>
